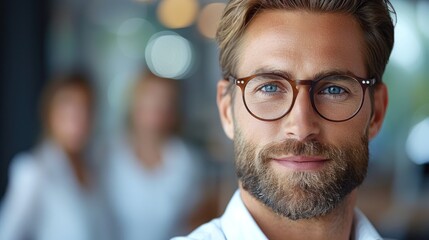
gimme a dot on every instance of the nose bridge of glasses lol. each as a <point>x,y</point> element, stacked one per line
<point>304,82</point>
<point>297,83</point>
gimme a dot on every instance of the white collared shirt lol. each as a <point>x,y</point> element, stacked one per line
<point>237,223</point>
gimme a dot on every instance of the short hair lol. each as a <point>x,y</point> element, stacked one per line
<point>373,17</point>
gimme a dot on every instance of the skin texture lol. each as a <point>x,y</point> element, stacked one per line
<point>302,44</point>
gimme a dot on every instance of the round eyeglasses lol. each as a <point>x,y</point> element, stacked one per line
<point>270,96</point>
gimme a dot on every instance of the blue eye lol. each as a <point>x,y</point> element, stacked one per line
<point>270,88</point>
<point>333,90</point>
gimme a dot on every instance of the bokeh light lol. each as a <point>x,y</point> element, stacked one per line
<point>169,55</point>
<point>408,49</point>
<point>209,19</point>
<point>417,146</point>
<point>133,36</point>
<point>177,13</point>
<point>422,10</point>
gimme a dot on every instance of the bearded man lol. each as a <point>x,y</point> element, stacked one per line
<point>301,96</point>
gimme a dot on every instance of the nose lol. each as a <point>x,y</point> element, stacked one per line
<point>302,122</point>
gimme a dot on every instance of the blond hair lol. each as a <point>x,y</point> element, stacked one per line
<point>373,17</point>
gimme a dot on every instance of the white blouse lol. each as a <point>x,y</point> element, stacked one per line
<point>44,200</point>
<point>151,204</point>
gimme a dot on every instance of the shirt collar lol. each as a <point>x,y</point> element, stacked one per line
<point>237,223</point>
<point>362,227</point>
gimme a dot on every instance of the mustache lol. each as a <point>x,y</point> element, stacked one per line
<point>297,148</point>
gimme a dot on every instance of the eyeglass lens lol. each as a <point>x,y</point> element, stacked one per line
<point>334,97</point>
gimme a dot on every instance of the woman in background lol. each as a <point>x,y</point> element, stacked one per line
<point>51,193</point>
<point>152,176</point>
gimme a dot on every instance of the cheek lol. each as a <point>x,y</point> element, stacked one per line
<point>70,120</point>
<point>253,130</point>
<point>351,130</point>
<point>261,133</point>
<point>363,118</point>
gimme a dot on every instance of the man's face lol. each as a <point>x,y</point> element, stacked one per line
<point>301,166</point>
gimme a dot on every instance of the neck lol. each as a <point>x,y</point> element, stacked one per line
<point>79,169</point>
<point>335,225</point>
<point>147,138</point>
<point>148,149</point>
<point>74,156</point>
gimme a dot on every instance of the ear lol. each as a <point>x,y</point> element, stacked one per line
<point>381,100</point>
<point>223,100</point>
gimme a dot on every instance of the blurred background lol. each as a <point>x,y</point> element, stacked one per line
<point>114,42</point>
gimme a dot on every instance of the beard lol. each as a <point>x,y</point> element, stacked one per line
<point>301,194</point>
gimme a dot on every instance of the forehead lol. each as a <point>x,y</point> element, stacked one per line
<point>155,86</point>
<point>302,43</point>
<point>71,92</point>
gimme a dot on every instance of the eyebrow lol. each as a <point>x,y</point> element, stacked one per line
<point>288,75</point>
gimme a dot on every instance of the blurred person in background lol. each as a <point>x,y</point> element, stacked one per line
<point>151,176</point>
<point>301,96</point>
<point>52,193</point>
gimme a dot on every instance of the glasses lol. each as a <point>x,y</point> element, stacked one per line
<point>270,96</point>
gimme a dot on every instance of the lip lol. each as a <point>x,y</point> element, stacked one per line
<point>302,163</point>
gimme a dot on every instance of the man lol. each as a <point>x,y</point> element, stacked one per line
<point>302,96</point>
